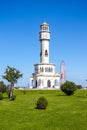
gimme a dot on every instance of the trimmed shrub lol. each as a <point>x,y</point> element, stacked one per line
<point>1,96</point>
<point>68,88</point>
<point>42,103</point>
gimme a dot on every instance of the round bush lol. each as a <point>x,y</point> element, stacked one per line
<point>68,88</point>
<point>42,103</point>
<point>1,96</point>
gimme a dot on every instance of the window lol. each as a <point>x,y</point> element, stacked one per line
<point>40,54</point>
<point>51,69</point>
<point>42,69</point>
<point>39,82</point>
<point>46,53</point>
<point>45,28</point>
<point>32,83</point>
<point>47,69</point>
<point>56,82</point>
<point>42,82</point>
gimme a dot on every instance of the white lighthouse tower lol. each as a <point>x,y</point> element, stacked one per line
<point>44,75</point>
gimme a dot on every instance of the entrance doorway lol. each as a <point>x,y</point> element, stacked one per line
<point>36,84</point>
<point>48,83</point>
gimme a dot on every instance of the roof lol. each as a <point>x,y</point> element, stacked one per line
<point>44,23</point>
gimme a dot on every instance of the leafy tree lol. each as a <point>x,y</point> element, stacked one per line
<point>68,87</point>
<point>11,75</point>
<point>79,86</point>
<point>2,87</point>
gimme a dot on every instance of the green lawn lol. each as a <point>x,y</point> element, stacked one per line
<point>62,113</point>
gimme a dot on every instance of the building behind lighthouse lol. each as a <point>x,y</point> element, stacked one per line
<point>45,75</point>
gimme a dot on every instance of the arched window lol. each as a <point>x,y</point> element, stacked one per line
<point>51,69</point>
<point>39,82</point>
<point>43,82</point>
<point>46,53</point>
<point>32,83</point>
<point>45,28</point>
<point>46,69</point>
<point>42,69</point>
<point>56,82</point>
<point>40,53</point>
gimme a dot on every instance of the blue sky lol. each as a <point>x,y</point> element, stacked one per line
<point>19,36</point>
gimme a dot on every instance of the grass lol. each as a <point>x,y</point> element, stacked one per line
<point>62,113</point>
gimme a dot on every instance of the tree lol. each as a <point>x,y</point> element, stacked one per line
<point>2,87</point>
<point>68,87</point>
<point>79,86</point>
<point>11,75</point>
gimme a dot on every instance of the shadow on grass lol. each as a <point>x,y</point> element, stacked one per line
<point>41,92</point>
<point>61,95</point>
<point>40,108</point>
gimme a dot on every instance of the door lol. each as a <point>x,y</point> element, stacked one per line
<point>48,83</point>
<point>36,84</point>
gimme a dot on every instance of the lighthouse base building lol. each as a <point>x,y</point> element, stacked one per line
<point>44,75</point>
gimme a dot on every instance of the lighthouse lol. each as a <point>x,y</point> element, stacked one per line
<point>44,75</point>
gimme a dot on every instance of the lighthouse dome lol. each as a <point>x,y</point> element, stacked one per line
<point>44,23</point>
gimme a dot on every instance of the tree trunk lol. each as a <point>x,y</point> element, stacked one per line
<point>11,90</point>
